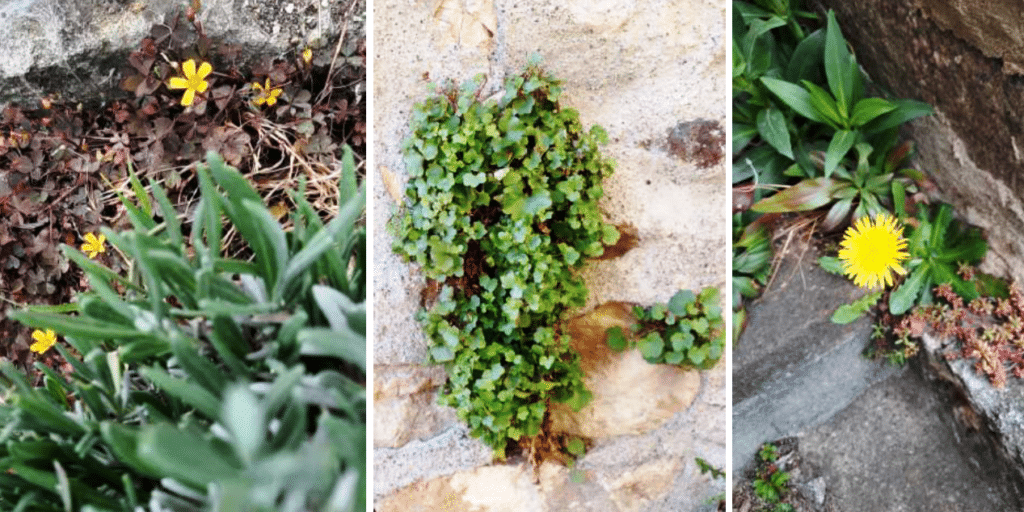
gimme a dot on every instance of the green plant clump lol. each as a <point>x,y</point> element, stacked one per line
<point>204,382</point>
<point>502,209</point>
<point>751,266</point>
<point>689,330</point>
<point>771,483</point>
<point>938,246</point>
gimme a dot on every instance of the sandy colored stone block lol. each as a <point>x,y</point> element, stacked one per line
<point>602,15</point>
<point>405,380</point>
<point>562,493</point>
<point>405,404</point>
<point>646,483</point>
<point>467,23</point>
<point>396,421</point>
<point>436,495</point>
<point>631,396</point>
<point>486,489</point>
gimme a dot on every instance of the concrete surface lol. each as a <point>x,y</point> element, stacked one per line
<point>871,437</point>
<point>898,448</point>
<point>654,77</point>
<point>78,48</point>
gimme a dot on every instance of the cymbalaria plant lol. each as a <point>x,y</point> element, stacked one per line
<point>502,209</point>
<point>688,331</point>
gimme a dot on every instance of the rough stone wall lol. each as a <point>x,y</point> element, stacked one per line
<point>653,75</point>
<point>965,58</point>
<point>78,47</point>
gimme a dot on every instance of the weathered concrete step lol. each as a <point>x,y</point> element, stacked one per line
<point>899,448</point>
<point>804,396</point>
<point>879,438</point>
<point>793,368</point>
<point>789,324</point>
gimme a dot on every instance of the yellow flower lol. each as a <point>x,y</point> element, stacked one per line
<point>307,56</point>
<point>267,94</point>
<point>93,244</point>
<point>44,340</point>
<point>870,251</point>
<point>193,82</point>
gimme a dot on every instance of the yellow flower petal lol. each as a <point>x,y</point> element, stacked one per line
<point>872,251</point>
<point>204,70</point>
<point>177,82</point>
<point>193,82</point>
<point>44,340</point>
<point>94,245</point>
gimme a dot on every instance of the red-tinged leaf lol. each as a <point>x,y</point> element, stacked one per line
<point>161,127</point>
<point>21,164</point>
<point>131,83</point>
<point>141,63</point>
<point>150,106</point>
<point>222,95</point>
<point>837,214</point>
<point>806,195</point>
<point>147,86</point>
<point>898,156</point>
<point>760,228</point>
<point>742,198</point>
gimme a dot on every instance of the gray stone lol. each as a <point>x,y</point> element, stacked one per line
<point>444,454</point>
<point>817,487</point>
<point>980,406</point>
<point>78,48</point>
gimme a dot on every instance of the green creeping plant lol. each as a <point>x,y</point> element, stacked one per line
<point>501,212</point>
<point>688,331</point>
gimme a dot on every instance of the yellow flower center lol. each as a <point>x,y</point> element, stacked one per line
<point>871,251</point>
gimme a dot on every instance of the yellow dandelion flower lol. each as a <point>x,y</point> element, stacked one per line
<point>307,56</point>
<point>194,81</point>
<point>44,340</point>
<point>871,251</point>
<point>267,94</point>
<point>93,244</point>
